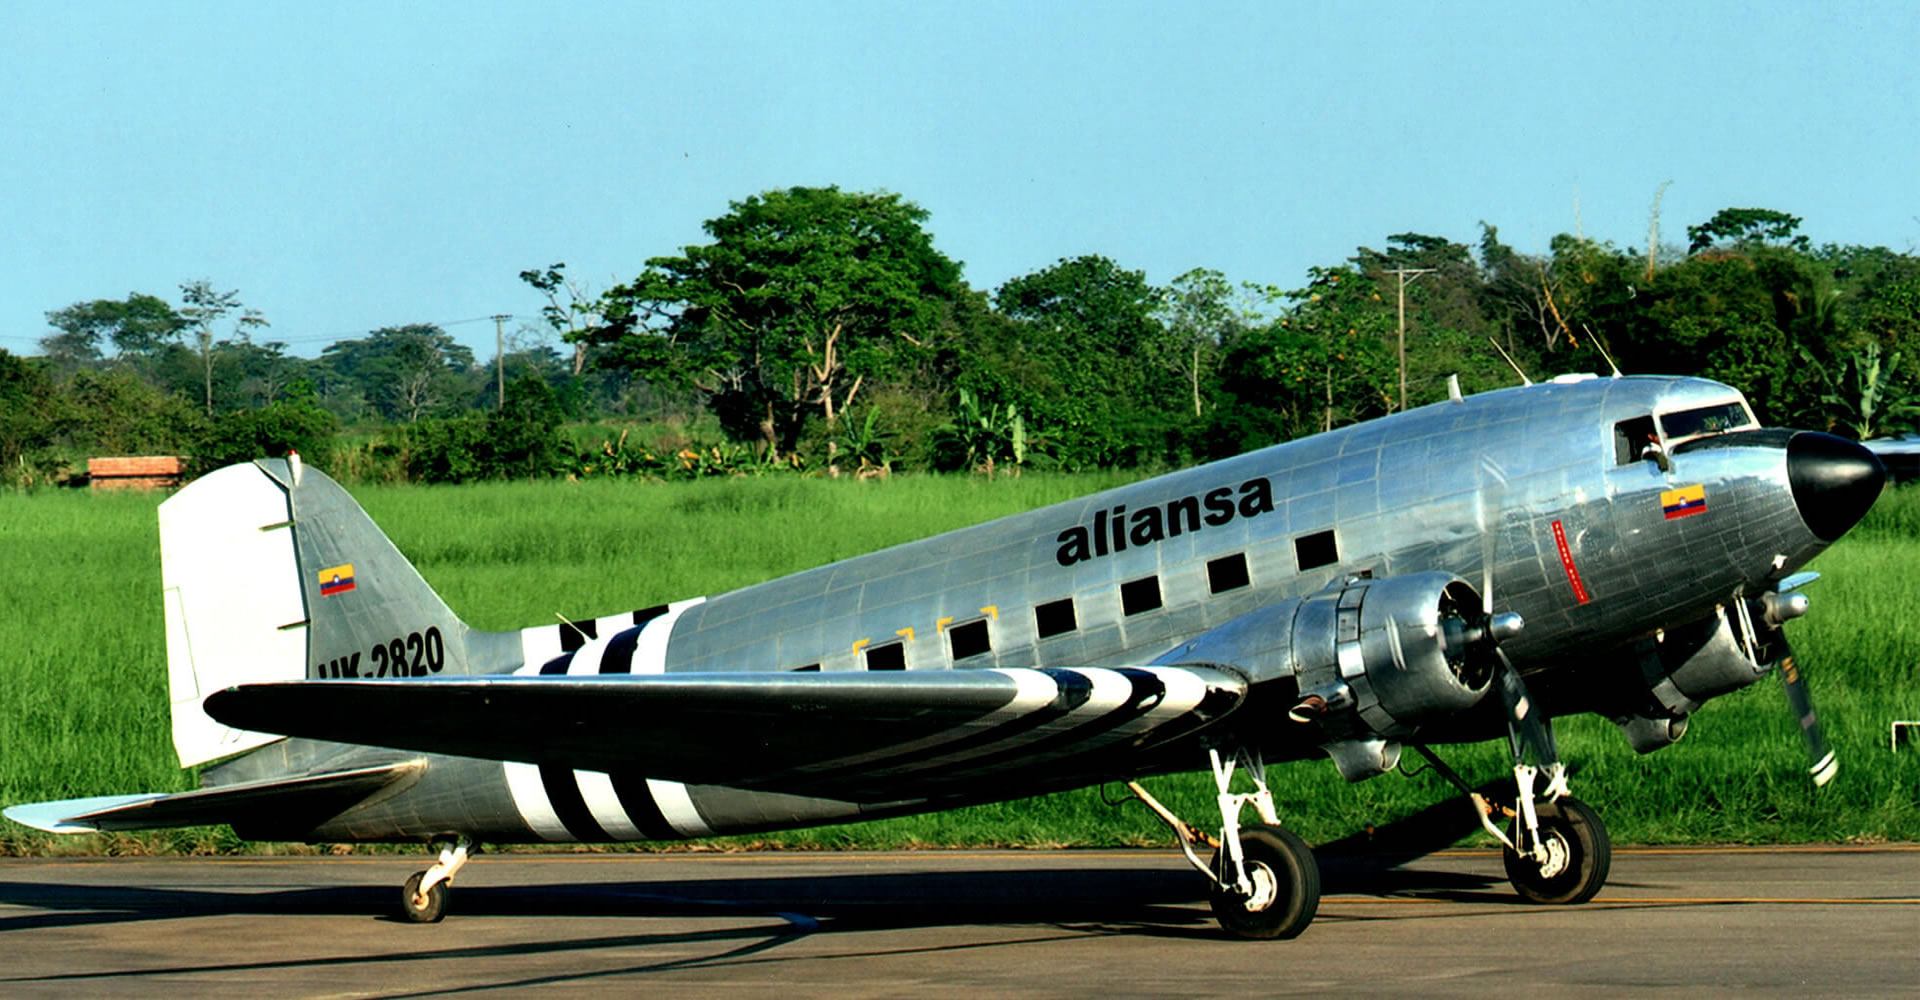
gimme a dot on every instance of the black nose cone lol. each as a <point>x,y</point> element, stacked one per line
<point>1834,481</point>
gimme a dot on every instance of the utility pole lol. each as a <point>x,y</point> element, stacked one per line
<point>500,360</point>
<point>1403,273</point>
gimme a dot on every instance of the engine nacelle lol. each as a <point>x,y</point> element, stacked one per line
<point>1373,660</point>
<point>1685,666</point>
<point>1378,658</point>
<point>1710,657</point>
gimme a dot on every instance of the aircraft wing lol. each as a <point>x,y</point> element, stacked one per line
<point>855,736</point>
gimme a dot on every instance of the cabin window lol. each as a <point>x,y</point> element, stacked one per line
<point>1055,617</point>
<point>1140,596</point>
<point>892,656</point>
<point>1317,549</point>
<point>811,668</point>
<point>1632,438</point>
<point>969,639</point>
<point>1229,573</point>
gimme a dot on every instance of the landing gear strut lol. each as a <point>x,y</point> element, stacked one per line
<point>1265,880</point>
<point>1558,851</point>
<point>424,898</point>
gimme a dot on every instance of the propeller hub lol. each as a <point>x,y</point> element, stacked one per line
<point>1834,481</point>
<point>1505,625</point>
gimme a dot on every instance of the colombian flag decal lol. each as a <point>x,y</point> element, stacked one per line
<point>1678,503</point>
<point>339,579</point>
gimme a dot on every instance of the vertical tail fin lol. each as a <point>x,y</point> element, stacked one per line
<point>271,571</point>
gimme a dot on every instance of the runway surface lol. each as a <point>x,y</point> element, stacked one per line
<point>1830,921</point>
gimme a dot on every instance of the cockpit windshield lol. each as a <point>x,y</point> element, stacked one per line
<point>1685,425</point>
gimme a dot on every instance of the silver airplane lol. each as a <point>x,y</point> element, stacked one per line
<point>1333,596</point>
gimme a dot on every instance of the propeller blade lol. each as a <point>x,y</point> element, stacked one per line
<point>1823,765</point>
<point>1493,491</point>
<point>1529,732</point>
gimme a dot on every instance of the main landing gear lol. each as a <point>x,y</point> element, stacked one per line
<point>424,898</point>
<point>1554,846</point>
<point>1265,881</point>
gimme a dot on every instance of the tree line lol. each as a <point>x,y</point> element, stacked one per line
<point>823,330</point>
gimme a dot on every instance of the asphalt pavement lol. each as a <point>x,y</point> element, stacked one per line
<point>1828,921</point>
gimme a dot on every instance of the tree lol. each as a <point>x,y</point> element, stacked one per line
<point>204,309</point>
<point>1199,313</point>
<point>271,430</point>
<point>1745,226</point>
<point>1327,361</point>
<point>406,372</point>
<point>137,328</point>
<point>1093,327</point>
<point>804,297</point>
<point>117,413</point>
<point>32,415</point>
<point>262,371</point>
<point>571,310</point>
<point>1519,294</point>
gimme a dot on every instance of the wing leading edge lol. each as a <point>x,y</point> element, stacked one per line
<point>855,736</point>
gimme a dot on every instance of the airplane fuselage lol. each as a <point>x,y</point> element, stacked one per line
<point>1595,544</point>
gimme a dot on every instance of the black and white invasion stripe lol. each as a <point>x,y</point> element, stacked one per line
<point>1055,713</point>
<point>563,804</point>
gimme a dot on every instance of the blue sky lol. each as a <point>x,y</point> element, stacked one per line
<point>353,166</point>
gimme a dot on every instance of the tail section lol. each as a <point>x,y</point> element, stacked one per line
<point>272,572</point>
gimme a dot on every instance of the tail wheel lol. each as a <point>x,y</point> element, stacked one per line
<point>1286,886</point>
<point>429,908</point>
<point>1578,856</point>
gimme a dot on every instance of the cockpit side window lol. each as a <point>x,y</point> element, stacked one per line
<point>1685,425</point>
<point>1632,438</point>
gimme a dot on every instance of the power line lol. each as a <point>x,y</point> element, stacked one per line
<point>323,338</point>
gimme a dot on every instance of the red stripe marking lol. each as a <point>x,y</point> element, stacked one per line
<point>1566,561</point>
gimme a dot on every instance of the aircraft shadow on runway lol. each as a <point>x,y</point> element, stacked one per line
<point>1167,903</point>
<point>1144,898</point>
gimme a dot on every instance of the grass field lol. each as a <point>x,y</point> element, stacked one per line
<point>83,689</point>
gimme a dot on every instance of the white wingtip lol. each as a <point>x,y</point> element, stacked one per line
<point>62,816</point>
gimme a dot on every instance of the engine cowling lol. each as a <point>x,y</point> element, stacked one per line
<point>1371,659</point>
<point>1376,659</point>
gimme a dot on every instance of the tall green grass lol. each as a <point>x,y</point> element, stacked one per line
<point>83,688</point>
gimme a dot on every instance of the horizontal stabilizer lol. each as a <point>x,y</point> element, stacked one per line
<point>253,802</point>
<point>846,734</point>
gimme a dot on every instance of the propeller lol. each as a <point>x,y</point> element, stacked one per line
<point>1529,734</point>
<point>1778,608</point>
<point>1834,483</point>
<point>1823,766</point>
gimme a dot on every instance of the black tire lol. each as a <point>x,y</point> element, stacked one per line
<point>1583,854</point>
<point>1287,880</point>
<point>432,910</point>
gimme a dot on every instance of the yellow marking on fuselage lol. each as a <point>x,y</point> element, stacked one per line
<point>991,611</point>
<point>908,632</point>
<point>940,627</point>
<point>857,643</point>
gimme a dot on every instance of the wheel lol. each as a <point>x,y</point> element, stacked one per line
<point>1286,886</point>
<point>428,911</point>
<point>1578,856</point>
